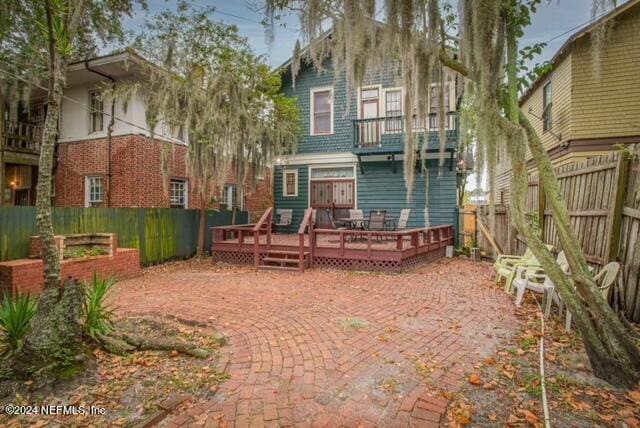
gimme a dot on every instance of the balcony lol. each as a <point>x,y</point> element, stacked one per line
<point>385,135</point>
<point>22,137</point>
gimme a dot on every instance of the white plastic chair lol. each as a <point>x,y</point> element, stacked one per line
<point>535,279</point>
<point>403,219</point>
<point>605,278</point>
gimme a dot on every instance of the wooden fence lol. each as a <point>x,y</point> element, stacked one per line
<point>603,199</point>
<point>160,233</point>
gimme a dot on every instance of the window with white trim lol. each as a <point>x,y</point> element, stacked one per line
<point>434,105</point>
<point>96,112</point>
<point>393,111</point>
<point>290,182</point>
<point>179,190</point>
<point>93,190</point>
<point>322,111</point>
<point>229,197</point>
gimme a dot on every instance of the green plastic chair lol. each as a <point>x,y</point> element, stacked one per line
<point>508,266</point>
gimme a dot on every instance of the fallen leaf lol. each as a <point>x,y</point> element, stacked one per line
<point>632,422</point>
<point>489,361</point>
<point>531,418</point>
<point>493,417</point>
<point>474,379</point>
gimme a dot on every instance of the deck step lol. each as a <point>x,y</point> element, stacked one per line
<point>271,267</point>
<point>280,260</point>
<point>286,252</point>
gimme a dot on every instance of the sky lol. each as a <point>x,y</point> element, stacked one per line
<point>554,22</point>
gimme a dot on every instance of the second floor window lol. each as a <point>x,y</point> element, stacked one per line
<point>393,110</point>
<point>434,105</point>
<point>547,119</point>
<point>96,115</point>
<point>322,112</point>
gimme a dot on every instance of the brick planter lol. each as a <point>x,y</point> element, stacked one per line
<point>27,275</point>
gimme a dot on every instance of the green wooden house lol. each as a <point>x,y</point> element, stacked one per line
<point>350,155</point>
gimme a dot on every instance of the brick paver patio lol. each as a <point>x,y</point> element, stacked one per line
<point>296,356</point>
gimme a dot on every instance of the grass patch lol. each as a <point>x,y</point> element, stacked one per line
<point>354,323</point>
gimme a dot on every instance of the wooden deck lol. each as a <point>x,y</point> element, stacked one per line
<point>346,249</point>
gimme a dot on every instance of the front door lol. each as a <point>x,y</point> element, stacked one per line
<point>332,197</point>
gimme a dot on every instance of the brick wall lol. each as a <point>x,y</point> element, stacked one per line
<point>258,198</point>
<point>136,169</point>
<point>26,275</point>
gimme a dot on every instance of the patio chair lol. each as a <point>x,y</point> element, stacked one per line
<point>509,265</point>
<point>376,221</point>
<point>604,279</point>
<point>285,217</point>
<point>357,217</point>
<point>403,219</point>
<point>536,280</point>
<point>335,224</point>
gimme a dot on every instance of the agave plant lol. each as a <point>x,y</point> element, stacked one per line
<point>15,319</point>
<point>98,314</point>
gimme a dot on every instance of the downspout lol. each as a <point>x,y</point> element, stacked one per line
<point>110,127</point>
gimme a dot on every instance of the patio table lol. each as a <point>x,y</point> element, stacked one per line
<point>354,221</point>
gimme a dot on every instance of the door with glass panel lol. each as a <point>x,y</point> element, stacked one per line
<point>332,193</point>
<point>369,114</point>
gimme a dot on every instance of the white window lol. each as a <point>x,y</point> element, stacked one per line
<point>93,190</point>
<point>179,192</point>
<point>96,112</point>
<point>229,197</point>
<point>434,105</point>
<point>393,111</point>
<point>290,182</point>
<point>322,111</point>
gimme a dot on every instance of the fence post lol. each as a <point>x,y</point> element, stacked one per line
<point>614,217</point>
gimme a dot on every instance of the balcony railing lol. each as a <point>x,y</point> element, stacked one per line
<point>380,133</point>
<point>22,136</point>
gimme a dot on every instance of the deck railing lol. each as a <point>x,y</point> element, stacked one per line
<point>265,223</point>
<point>435,237</point>
<point>382,131</point>
<point>22,136</point>
<point>307,223</point>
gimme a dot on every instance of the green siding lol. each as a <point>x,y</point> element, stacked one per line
<point>380,188</point>
<point>298,203</point>
<point>343,115</point>
<point>159,233</point>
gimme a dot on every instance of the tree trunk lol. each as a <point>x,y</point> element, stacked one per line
<point>612,353</point>
<point>56,331</point>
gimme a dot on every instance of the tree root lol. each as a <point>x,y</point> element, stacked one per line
<point>121,344</point>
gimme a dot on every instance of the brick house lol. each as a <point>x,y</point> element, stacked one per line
<point>98,168</point>
<point>590,101</point>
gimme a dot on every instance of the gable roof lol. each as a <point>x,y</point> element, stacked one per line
<point>568,44</point>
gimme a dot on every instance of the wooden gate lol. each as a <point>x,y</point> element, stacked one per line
<point>332,197</point>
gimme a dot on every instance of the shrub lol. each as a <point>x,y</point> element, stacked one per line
<point>16,314</point>
<point>98,315</point>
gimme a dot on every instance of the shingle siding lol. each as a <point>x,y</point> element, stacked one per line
<point>380,188</point>
<point>297,203</point>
